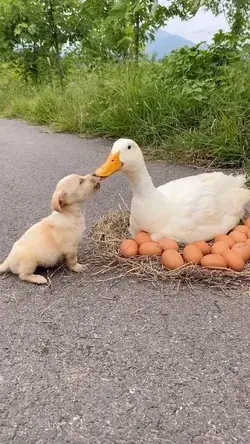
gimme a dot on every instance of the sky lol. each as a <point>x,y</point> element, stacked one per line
<point>200,28</point>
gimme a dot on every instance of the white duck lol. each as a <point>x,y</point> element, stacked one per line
<point>188,209</point>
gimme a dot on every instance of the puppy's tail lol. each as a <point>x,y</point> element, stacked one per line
<point>4,266</point>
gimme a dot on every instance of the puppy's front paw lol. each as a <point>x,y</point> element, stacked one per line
<point>41,280</point>
<point>34,278</point>
<point>77,268</point>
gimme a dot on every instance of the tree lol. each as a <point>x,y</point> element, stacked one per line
<point>121,28</point>
<point>34,29</point>
<point>35,32</point>
<point>237,13</point>
<point>138,19</point>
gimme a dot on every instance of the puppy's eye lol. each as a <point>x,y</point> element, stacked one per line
<point>81,181</point>
<point>129,147</point>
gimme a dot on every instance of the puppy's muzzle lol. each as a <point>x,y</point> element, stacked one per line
<point>97,186</point>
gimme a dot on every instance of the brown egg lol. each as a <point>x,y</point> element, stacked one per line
<point>243,250</point>
<point>191,253</point>
<point>247,222</point>
<point>171,259</point>
<point>214,261</point>
<point>242,229</point>
<point>203,246</point>
<point>234,260</point>
<point>168,243</point>
<point>142,238</point>
<point>225,238</point>
<point>150,249</point>
<point>129,248</point>
<point>237,236</point>
<point>218,247</point>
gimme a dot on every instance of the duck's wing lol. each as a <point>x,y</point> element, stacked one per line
<point>187,189</point>
<point>193,185</point>
<point>213,194</point>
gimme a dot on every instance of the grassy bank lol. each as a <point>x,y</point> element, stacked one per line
<point>183,108</point>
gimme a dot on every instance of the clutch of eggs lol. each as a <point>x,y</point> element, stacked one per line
<point>228,251</point>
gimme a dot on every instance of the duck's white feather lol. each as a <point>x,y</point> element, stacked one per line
<point>188,209</point>
<point>204,205</point>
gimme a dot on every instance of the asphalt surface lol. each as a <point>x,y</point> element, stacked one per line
<point>86,363</point>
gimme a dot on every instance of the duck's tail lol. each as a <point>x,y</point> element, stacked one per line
<point>4,266</point>
<point>238,180</point>
<point>241,197</point>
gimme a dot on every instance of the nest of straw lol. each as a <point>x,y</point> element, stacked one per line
<point>104,242</point>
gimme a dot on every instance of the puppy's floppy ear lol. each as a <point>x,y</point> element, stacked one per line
<point>58,200</point>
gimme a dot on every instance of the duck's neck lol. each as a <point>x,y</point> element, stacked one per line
<point>140,181</point>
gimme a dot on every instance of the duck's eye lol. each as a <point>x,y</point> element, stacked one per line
<point>129,147</point>
<point>81,181</point>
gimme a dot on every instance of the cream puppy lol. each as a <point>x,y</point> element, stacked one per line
<point>57,236</point>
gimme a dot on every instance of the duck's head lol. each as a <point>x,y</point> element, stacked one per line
<point>125,155</point>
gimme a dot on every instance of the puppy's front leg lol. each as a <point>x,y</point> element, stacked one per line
<point>33,278</point>
<point>71,262</point>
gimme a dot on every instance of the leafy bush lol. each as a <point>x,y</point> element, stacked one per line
<point>193,106</point>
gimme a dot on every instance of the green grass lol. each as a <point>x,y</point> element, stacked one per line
<point>201,119</point>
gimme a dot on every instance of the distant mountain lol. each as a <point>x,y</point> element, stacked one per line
<point>165,43</point>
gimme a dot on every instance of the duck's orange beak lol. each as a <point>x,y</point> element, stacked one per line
<point>111,166</point>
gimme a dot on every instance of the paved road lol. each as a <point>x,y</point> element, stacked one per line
<point>89,364</point>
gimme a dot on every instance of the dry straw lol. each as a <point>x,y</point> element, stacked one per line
<point>104,242</point>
